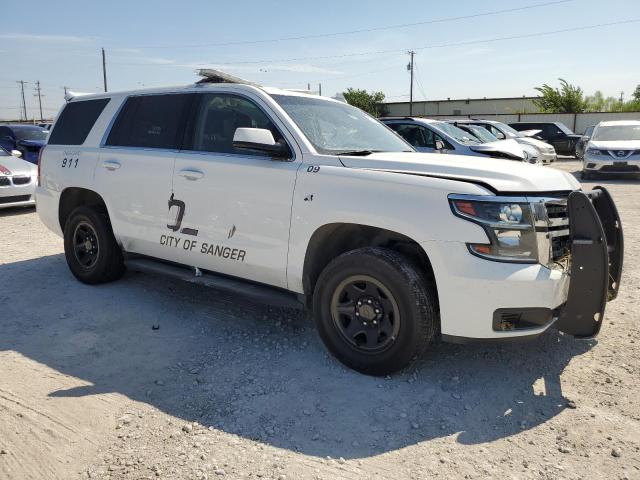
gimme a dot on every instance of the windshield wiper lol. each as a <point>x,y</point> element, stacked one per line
<point>357,153</point>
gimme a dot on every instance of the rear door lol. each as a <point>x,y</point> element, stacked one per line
<point>230,209</point>
<point>135,169</point>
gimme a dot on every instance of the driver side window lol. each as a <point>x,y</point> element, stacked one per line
<point>217,118</point>
<point>416,135</point>
<point>496,133</point>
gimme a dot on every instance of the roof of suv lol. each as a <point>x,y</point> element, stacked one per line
<point>196,87</point>
<point>413,119</point>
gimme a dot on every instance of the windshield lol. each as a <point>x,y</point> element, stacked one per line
<point>29,133</point>
<point>612,133</point>
<point>457,133</point>
<point>480,133</point>
<point>335,128</point>
<point>511,132</point>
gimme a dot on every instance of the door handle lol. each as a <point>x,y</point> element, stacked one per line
<point>111,165</point>
<point>191,174</point>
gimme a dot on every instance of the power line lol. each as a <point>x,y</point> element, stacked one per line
<point>362,30</point>
<point>384,52</point>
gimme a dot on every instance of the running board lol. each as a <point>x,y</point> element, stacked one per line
<point>261,293</point>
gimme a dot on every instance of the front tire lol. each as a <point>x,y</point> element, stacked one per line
<point>374,310</point>
<point>90,248</point>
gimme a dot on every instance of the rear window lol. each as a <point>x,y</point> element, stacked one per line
<point>76,121</point>
<point>150,121</point>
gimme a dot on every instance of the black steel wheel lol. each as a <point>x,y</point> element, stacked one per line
<point>90,248</point>
<point>365,313</point>
<point>85,245</point>
<point>374,310</point>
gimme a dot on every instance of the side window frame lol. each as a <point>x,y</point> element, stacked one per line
<point>192,119</point>
<point>179,138</point>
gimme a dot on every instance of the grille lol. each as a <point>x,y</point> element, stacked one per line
<point>559,234</point>
<point>4,181</point>
<point>15,198</point>
<point>21,180</point>
<point>620,168</point>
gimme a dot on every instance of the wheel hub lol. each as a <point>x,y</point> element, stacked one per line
<point>369,309</point>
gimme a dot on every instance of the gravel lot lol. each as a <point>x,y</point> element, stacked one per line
<point>225,388</point>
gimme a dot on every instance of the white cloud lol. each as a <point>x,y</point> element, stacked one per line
<point>28,37</point>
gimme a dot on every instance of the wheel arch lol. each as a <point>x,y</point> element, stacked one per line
<point>74,197</point>
<point>331,240</point>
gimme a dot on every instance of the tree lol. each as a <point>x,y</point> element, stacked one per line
<point>598,103</point>
<point>369,102</point>
<point>567,99</point>
<point>636,94</point>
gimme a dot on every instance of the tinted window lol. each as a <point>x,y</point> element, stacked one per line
<point>150,121</point>
<point>76,121</point>
<point>28,132</point>
<point>217,118</point>
<point>416,135</point>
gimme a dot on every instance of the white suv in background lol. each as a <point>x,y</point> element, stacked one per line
<point>301,199</point>
<point>614,147</point>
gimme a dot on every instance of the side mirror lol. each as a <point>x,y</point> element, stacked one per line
<point>16,153</point>
<point>439,145</point>
<point>259,139</point>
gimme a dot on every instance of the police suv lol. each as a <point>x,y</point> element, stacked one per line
<point>287,196</point>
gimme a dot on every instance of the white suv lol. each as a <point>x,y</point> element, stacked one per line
<point>287,196</point>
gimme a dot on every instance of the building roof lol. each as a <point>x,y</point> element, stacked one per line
<point>484,99</point>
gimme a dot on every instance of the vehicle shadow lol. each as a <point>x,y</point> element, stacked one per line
<point>14,211</point>
<point>261,373</point>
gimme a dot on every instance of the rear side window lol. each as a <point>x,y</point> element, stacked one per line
<point>76,121</point>
<point>150,121</point>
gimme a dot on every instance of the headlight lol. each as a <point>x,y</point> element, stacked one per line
<point>593,151</point>
<point>507,222</point>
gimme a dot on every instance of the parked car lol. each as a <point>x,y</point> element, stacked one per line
<point>502,131</point>
<point>531,153</point>
<point>613,148</point>
<point>581,146</point>
<point>27,139</point>
<point>431,136</point>
<point>302,199</point>
<point>554,133</point>
<point>17,180</point>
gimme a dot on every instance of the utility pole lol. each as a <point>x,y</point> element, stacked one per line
<point>621,97</point>
<point>39,95</point>
<point>22,83</point>
<point>104,70</point>
<point>319,89</point>
<point>410,68</point>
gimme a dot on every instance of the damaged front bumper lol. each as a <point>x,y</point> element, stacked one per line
<point>597,249</point>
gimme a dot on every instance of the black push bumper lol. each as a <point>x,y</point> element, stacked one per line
<point>597,249</point>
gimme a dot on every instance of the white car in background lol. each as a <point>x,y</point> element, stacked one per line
<point>436,136</point>
<point>17,180</point>
<point>503,131</point>
<point>614,147</point>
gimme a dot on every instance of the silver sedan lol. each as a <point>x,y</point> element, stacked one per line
<point>17,180</point>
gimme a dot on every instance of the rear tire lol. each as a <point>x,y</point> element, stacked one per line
<point>374,310</point>
<point>90,248</point>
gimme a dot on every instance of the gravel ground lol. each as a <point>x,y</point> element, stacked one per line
<point>225,388</point>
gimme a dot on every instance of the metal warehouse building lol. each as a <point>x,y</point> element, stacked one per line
<point>468,106</point>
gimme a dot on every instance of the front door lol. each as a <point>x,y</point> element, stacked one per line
<point>230,209</point>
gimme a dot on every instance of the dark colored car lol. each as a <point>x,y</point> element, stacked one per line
<point>554,133</point>
<point>584,139</point>
<point>27,139</point>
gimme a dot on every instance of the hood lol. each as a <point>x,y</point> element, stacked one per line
<point>615,145</point>
<point>499,175</point>
<point>530,133</point>
<point>32,143</point>
<point>510,147</point>
<point>539,144</point>
<point>17,166</point>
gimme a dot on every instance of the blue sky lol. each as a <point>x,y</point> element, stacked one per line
<point>154,43</point>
